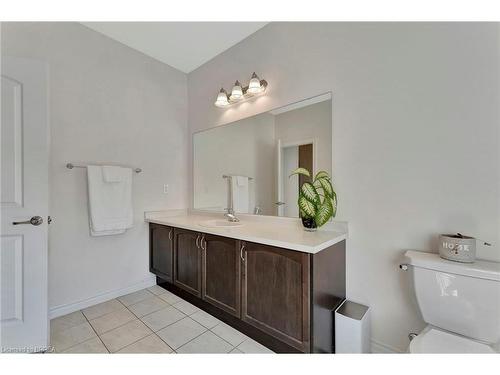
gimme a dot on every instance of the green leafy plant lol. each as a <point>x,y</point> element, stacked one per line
<point>317,199</point>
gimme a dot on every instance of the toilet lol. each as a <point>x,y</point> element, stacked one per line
<point>460,302</point>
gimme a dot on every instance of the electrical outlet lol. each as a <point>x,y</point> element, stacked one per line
<point>165,189</point>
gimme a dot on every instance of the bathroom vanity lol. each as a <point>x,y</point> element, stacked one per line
<point>267,277</point>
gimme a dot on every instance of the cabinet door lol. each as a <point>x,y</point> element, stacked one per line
<point>187,261</point>
<point>221,273</point>
<point>161,251</point>
<point>275,293</point>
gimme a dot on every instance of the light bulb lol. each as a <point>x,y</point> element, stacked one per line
<point>222,99</point>
<point>236,92</point>
<point>254,86</point>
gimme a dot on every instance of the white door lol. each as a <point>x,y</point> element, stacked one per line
<point>279,180</point>
<point>290,156</point>
<point>24,195</point>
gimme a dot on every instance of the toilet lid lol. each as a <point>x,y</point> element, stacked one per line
<point>433,340</point>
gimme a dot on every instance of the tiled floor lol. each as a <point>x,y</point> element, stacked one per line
<point>151,320</point>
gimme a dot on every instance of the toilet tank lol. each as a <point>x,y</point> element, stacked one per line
<point>458,297</point>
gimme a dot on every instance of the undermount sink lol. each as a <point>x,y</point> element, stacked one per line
<point>220,223</point>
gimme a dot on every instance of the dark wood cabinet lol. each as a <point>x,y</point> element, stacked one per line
<point>161,251</point>
<point>283,298</point>
<point>221,272</point>
<point>275,293</point>
<point>187,260</point>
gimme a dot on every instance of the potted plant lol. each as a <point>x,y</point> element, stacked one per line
<point>317,199</point>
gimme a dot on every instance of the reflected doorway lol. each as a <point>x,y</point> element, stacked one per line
<point>292,157</point>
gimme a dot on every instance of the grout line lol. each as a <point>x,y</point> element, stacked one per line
<point>142,338</point>
<point>152,312</point>
<point>152,295</point>
<point>99,337</point>
<point>135,340</point>
<point>206,330</point>
<point>109,330</point>
<point>234,346</point>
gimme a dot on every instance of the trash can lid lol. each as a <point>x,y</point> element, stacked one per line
<point>352,310</point>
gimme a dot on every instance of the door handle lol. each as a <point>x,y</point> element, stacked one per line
<point>35,220</point>
<point>279,203</point>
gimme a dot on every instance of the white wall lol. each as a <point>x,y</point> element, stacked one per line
<point>415,137</point>
<point>107,103</point>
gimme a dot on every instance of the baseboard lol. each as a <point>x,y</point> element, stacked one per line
<point>61,310</point>
<point>379,348</point>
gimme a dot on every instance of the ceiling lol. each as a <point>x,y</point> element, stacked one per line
<point>182,45</point>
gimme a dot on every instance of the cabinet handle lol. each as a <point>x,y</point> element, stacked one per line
<point>203,240</point>
<point>197,241</point>
<point>241,252</point>
<point>170,234</point>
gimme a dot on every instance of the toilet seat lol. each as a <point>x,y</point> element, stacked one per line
<point>433,340</point>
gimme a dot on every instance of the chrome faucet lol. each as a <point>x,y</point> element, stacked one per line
<point>231,217</point>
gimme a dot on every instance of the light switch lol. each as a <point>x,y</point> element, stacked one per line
<point>165,188</point>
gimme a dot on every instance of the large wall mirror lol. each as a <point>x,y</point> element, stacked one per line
<point>246,163</point>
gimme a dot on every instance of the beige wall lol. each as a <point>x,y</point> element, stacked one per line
<point>107,103</point>
<point>415,137</point>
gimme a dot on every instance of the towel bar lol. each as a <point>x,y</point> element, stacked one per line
<point>71,166</point>
<point>230,176</point>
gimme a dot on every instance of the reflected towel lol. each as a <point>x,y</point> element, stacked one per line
<point>241,198</point>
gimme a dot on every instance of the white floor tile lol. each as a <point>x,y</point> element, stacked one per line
<point>67,338</point>
<point>229,334</point>
<point>252,346</point>
<point>186,307</point>
<point>149,344</point>
<point>135,297</point>
<point>67,321</point>
<point>147,306</point>
<point>112,320</point>
<point>206,343</point>
<point>90,346</point>
<point>157,290</point>
<point>205,319</point>
<point>125,335</point>
<point>179,333</point>
<point>162,318</point>
<point>102,309</point>
<point>169,297</point>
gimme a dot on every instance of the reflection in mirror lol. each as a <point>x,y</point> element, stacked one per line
<point>244,166</point>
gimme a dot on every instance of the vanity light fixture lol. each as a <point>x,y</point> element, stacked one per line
<point>254,86</point>
<point>222,99</point>
<point>236,92</point>
<point>239,93</point>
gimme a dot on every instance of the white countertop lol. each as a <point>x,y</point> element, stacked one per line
<point>274,231</point>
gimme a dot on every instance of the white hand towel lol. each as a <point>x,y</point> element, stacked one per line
<point>114,174</point>
<point>241,197</point>
<point>110,203</point>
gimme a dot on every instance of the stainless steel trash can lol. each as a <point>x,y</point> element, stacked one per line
<point>352,328</point>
